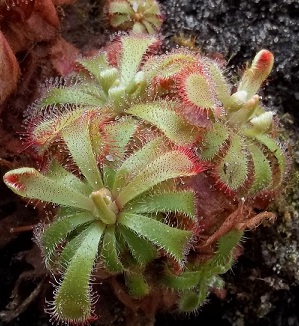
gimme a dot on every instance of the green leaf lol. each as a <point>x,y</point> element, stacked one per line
<point>136,284</point>
<point>222,88</point>
<point>118,134</point>
<point>141,249</point>
<point>174,201</point>
<point>184,281</point>
<point>262,169</point>
<point>155,21</point>
<point>28,182</point>
<point>95,65</point>
<point>108,78</point>
<point>262,122</point>
<point>152,9</point>
<point>138,161</point>
<point>49,128</point>
<point>73,242</point>
<point>273,146</point>
<point>165,118</point>
<point>73,298</point>
<point>149,28</point>
<point>133,49</point>
<point>79,145</point>
<point>190,301</point>
<point>233,168</point>
<point>57,172</point>
<point>117,20</point>
<point>108,176</point>
<point>228,242</point>
<point>172,164</point>
<point>78,95</point>
<point>109,252</point>
<point>223,259</point>
<point>166,66</point>
<point>172,240</point>
<point>198,91</point>
<point>57,232</point>
<point>120,7</point>
<point>213,140</point>
<point>204,273</point>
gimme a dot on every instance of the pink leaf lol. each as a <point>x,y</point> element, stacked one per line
<point>9,69</point>
<point>63,57</point>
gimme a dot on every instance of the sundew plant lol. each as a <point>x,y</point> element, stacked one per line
<point>155,164</point>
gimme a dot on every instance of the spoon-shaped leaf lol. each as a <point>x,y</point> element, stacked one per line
<point>48,127</point>
<point>133,49</point>
<point>233,169</point>
<point>109,251</point>
<point>73,298</point>
<point>79,145</point>
<point>78,95</point>
<point>262,169</point>
<point>172,240</point>
<point>95,65</point>
<point>28,182</point>
<point>174,201</point>
<point>172,164</point>
<point>138,161</point>
<point>118,134</point>
<point>57,232</point>
<point>142,250</point>
<point>163,116</point>
<point>273,146</point>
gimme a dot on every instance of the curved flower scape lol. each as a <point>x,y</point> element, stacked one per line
<point>129,133</point>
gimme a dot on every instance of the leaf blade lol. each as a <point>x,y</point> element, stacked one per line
<point>172,240</point>
<point>172,201</point>
<point>72,299</point>
<point>170,165</point>
<point>28,182</point>
<point>80,147</point>
<point>164,117</point>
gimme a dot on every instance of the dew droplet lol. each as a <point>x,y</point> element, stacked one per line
<point>109,158</point>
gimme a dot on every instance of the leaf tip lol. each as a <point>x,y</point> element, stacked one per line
<point>13,179</point>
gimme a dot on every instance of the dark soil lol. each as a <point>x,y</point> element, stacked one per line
<point>262,289</point>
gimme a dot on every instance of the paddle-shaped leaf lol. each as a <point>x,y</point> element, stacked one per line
<point>262,169</point>
<point>28,182</point>
<point>233,169</point>
<point>172,164</point>
<point>133,49</point>
<point>95,65</point>
<point>174,201</point>
<point>73,298</point>
<point>109,252</point>
<point>172,240</point>
<point>79,145</point>
<point>138,161</point>
<point>79,95</point>
<point>142,250</point>
<point>54,234</point>
<point>163,116</point>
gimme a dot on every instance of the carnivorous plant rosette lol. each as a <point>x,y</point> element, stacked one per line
<point>136,15</point>
<point>155,162</point>
<point>109,212</point>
